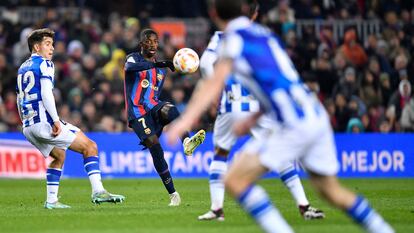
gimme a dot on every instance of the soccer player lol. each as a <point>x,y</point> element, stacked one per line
<point>42,126</point>
<point>301,129</point>
<point>237,103</point>
<point>147,115</point>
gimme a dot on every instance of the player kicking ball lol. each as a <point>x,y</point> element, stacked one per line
<point>147,115</point>
<point>43,128</point>
<point>237,103</point>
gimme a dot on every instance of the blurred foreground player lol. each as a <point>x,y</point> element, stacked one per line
<point>237,103</point>
<point>42,126</point>
<point>147,115</point>
<point>301,130</point>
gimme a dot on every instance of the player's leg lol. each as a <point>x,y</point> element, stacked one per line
<point>169,113</point>
<point>217,170</point>
<point>240,183</point>
<point>322,165</point>
<point>53,174</point>
<point>40,136</point>
<point>288,174</point>
<point>88,148</point>
<point>290,178</point>
<point>223,140</point>
<point>357,207</point>
<point>161,166</point>
<point>147,128</point>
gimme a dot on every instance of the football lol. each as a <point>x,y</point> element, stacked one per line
<point>186,61</point>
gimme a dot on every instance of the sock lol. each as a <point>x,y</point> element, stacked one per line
<point>218,168</point>
<point>91,165</point>
<point>367,217</point>
<point>290,178</point>
<point>161,166</point>
<point>255,201</point>
<point>52,184</point>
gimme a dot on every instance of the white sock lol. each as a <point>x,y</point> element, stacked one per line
<point>96,183</point>
<point>256,202</point>
<point>290,178</point>
<point>52,193</point>
<point>217,169</point>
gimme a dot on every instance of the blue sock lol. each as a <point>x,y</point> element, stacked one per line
<point>52,180</point>
<point>161,166</point>
<point>91,165</point>
<point>255,201</point>
<point>362,213</point>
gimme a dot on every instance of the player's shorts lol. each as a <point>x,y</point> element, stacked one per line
<point>223,135</point>
<point>312,144</point>
<point>149,124</point>
<point>40,136</point>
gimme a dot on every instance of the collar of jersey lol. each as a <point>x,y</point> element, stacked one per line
<point>238,23</point>
<point>35,55</point>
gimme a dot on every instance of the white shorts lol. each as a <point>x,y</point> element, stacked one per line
<point>312,144</point>
<point>223,135</point>
<point>40,136</point>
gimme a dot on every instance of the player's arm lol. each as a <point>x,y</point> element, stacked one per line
<point>137,64</point>
<point>201,99</point>
<point>46,83</point>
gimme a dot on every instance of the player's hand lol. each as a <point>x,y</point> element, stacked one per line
<point>56,128</point>
<point>176,130</point>
<point>165,64</point>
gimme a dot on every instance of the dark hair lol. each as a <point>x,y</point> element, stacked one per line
<point>146,33</point>
<point>37,36</point>
<point>227,10</point>
<point>253,7</point>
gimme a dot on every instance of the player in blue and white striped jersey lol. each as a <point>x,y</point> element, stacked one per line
<point>301,128</point>
<point>237,103</point>
<point>42,126</point>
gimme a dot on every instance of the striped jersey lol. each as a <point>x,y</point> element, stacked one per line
<point>142,85</point>
<point>262,65</point>
<point>235,98</point>
<point>28,89</point>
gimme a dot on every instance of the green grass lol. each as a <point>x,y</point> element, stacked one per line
<point>146,210</point>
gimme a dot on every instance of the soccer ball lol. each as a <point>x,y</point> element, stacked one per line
<point>186,61</point>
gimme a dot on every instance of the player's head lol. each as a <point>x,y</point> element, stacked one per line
<point>148,43</point>
<point>228,10</point>
<point>40,41</point>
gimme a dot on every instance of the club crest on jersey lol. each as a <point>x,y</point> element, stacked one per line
<point>144,83</point>
<point>147,131</point>
<point>160,77</point>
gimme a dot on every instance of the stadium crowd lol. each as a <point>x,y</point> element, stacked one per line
<point>366,85</point>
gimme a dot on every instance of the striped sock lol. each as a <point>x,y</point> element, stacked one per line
<point>52,184</point>
<point>218,168</point>
<point>290,178</point>
<point>362,213</point>
<point>91,165</point>
<point>255,201</point>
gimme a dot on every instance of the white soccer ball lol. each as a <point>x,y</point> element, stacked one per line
<point>186,61</point>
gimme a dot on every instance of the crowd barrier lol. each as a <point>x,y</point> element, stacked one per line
<point>121,156</point>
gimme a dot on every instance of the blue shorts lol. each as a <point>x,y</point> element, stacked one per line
<point>149,124</point>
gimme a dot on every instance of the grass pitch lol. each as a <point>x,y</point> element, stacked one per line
<point>146,210</point>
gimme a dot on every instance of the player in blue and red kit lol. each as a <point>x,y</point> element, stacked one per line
<point>147,115</point>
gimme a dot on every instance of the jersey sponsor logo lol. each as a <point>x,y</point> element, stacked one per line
<point>160,77</point>
<point>144,83</point>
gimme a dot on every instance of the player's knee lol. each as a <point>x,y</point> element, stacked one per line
<point>169,113</point>
<point>91,149</point>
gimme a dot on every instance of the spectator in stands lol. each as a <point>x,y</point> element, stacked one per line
<point>352,50</point>
<point>114,69</point>
<point>20,49</point>
<point>399,99</point>
<point>355,126</point>
<point>407,116</point>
